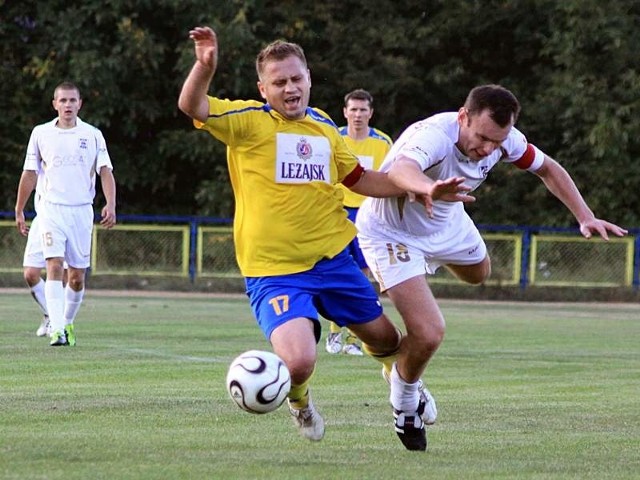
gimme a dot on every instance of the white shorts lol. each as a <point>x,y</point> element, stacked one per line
<point>33,255</point>
<point>65,231</point>
<point>394,256</point>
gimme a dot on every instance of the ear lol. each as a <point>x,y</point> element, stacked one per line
<point>261,90</point>
<point>463,116</point>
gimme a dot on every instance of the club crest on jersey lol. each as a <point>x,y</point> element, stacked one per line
<point>83,143</point>
<point>302,159</point>
<point>303,149</point>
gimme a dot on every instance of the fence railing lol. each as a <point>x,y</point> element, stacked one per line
<point>201,247</point>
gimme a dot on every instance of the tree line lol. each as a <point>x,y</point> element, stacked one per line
<point>573,65</point>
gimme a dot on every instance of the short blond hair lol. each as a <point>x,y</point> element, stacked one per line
<point>276,51</point>
<point>66,86</point>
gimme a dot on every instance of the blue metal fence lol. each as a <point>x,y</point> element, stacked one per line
<point>526,232</point>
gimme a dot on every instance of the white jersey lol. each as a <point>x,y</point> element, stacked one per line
<point>432,143</point>
<point>67,161</point>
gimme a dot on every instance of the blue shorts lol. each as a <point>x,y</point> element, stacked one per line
<point>334,288</point>
<point>354,246</point>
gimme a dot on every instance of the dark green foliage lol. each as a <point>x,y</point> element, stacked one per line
<point>572,64</point>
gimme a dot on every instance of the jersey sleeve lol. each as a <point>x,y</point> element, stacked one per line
<point>226,122</point>
<point>522,154</point>
<point>426,146</point>
<point>102,154</point>
<point>349,168</point>
<point>351,179</point>
<point>33,158</point>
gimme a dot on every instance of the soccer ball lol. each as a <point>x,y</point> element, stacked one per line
<point>258,381</point>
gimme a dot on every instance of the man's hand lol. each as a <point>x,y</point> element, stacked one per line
<point>206,46</point>
<point>108,216</point>
<point>450,190</point>
<point>601,227</point>
<point>21,224</point>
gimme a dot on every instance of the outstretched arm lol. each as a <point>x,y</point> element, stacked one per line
<point>193,97</point>
<point>407,174</point>
<point>559,182</point>
<point>27,184</point>
<point>406,178</point>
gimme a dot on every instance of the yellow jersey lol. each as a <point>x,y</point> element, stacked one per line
<point>370,152</point>
<point>288,212</point>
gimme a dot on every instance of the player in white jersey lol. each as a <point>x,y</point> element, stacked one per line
<point>401,243</point>
<point>63,158</point>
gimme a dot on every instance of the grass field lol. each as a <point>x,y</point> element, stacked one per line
<point>525,391</point>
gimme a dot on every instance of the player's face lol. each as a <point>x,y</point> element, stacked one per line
<point>479,134</point>
<point>67,103</point>
<point>286,86</point>
<point>358,113</point>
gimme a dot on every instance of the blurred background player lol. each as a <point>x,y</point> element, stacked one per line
<point>370,146</point>
<point>63,157</point>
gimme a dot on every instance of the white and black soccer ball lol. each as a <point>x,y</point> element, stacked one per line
<point>258,381</point>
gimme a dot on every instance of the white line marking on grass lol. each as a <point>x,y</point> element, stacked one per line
<point>187,358</point>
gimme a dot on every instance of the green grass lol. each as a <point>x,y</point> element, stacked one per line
<point>525,391</point>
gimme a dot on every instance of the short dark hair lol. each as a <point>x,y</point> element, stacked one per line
<point>503,105</point>
<point>276,51</point>
<point>66,85</point>
<point>358,94</point>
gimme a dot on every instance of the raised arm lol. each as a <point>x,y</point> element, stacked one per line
<point>559,182</point>
<point>193,97</point>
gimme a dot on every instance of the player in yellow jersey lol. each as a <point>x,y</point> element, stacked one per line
<point>370,146</point>
<point>290,227</point>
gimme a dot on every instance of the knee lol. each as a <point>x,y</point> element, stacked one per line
<point>32,276</point>
<point>300,365</point>
<point>383,341</point>
<point>300,370</point>
<point>472,274</point>
<point>76,283</point>
<point>429,338</point>
<point>434,339</point>
<point>479,278</point>
<point>75,279</point>
<point>479,275</point>
<point>55,270</point>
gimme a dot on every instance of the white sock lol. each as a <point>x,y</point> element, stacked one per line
<point>72,301</point>
<point>37,292</point>
<point>404,396</point>
<point>54,291</point>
